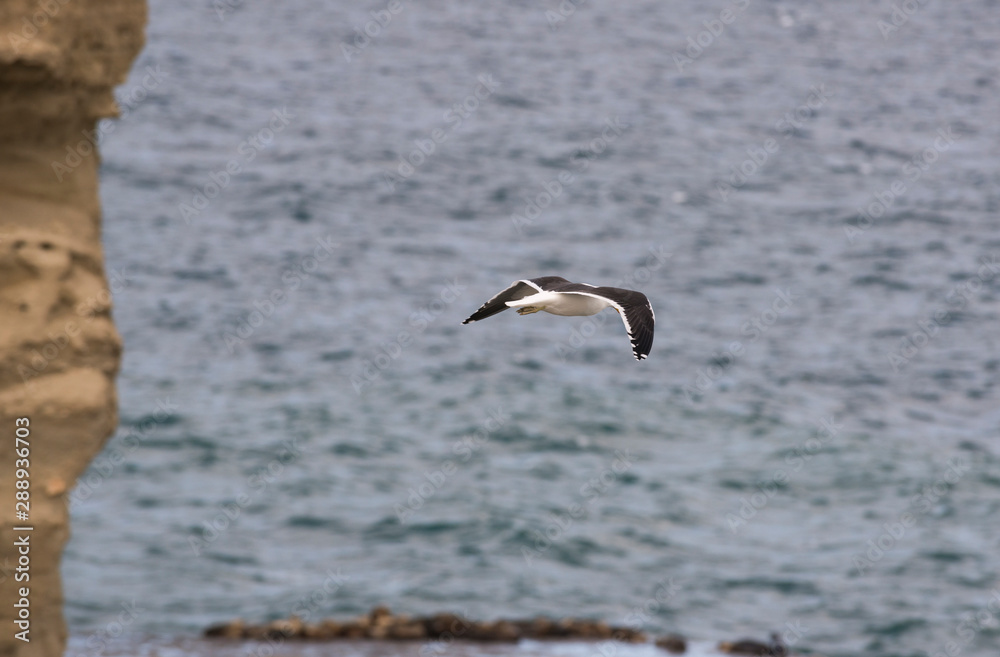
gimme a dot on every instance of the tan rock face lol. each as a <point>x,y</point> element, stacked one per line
<point>59,351</point>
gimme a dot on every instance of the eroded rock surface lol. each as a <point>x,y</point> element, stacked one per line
<point>59,351</point>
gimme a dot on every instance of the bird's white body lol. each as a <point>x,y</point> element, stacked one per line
<point>569,305</point>
<point>557,296</point>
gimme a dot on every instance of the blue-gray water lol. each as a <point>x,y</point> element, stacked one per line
<point>813,376</point>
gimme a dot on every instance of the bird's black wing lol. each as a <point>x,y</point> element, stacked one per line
<point>517,290</point>
<point>636,311</point>
<point>549,283</point>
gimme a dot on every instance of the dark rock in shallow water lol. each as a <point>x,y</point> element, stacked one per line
<point>442,624</point>
<point>673,643</point>
<point>756,648</point>
<point>381,624</point>
<point>286,627</point>
<point>408,630</point>
<point>538,627</point>
<point>585,629</point>
<point>495,631</point>
<point>353,630</point>
<point>231,630</point>
<point>324,630</point>
<point>379,614</point>
<point>628,635</point>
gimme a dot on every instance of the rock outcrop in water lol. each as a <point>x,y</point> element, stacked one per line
<point>381,624</point>
<point>59,351</point>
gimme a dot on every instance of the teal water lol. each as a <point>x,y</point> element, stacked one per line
<point>812,442</point>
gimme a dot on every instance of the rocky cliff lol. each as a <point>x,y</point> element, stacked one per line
<point>59,351</point>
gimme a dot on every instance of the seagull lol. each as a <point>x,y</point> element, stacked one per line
<point>557,296</point>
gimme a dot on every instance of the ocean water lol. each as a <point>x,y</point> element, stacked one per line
<point>298,219</point>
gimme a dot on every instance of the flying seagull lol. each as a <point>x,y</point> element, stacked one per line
<point>556,295</point>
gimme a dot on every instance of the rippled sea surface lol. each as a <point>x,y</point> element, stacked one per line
<point>812,443</point>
